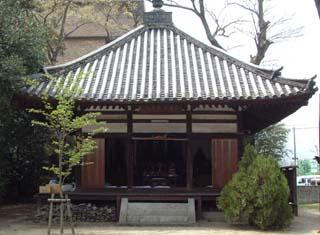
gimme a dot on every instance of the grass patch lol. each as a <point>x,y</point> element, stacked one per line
<point>309,206</point>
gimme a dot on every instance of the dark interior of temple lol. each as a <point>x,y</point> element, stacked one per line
<point>158,163</point>
<point>115,173</point>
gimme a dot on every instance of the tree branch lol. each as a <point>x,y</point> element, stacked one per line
<point>50,12</point>
<point>76,28</point>
<point>247,8</point>
<point>61,34</point>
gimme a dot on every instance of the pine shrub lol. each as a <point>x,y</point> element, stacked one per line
<point>257,194</point>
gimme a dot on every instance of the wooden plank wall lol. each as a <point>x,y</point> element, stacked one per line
<point>93,175</point>
<point>225,161</point>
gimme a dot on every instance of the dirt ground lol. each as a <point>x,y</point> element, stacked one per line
<point>15,219</point>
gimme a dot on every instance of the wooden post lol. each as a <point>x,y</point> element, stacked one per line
<point>61,215</point>
<point>77,173</point>
<point>130,163</point>
<point>50,214</point>
<point>118,202</point>
<point>63,199</point>
<point>129,120</point>
<point>70,214</point>
<point>189,166</point>
<point>199,208</point>
<point>189,163</point>
<point>130,174</point>
<point>240,130</point>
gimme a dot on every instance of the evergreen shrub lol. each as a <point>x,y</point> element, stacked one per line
<point>257,194</point>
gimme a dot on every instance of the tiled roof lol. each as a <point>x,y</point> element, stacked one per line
<point>158,62</point>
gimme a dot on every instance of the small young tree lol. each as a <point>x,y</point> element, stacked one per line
<point>68,142</point>
<point>257,194</point>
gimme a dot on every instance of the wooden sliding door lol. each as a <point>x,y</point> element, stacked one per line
<point>224,161</point>
<point>93,171</point>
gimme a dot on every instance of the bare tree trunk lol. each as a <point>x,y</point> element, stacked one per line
<point>210,36</point>
<point>318,6</point>
<point>61,37</point>
<point>261,40</point>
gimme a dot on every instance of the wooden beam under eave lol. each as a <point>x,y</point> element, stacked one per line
<point>27,101</point>
<point>256,118</point>
<point>240,137</point>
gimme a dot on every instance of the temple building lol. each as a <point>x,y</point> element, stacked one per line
<point>176,109</point>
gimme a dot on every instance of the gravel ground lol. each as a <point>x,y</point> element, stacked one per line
<point>15,220</point>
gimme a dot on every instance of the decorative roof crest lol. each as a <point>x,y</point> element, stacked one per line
<point>157,3</point>
<point>157,16</point>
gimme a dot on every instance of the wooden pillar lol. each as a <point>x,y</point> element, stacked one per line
<point>189,166</point>
<point>240,130</point>
<point>189,163</point>
<point>130,169</point>
<point>118,205</point>
<point>130,153</point>
<point>77,176</point>
<point>199,208</point>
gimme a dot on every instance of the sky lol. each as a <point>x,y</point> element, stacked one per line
<point>299,56</point>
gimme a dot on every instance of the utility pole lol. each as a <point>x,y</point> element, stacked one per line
<point>294,147</point>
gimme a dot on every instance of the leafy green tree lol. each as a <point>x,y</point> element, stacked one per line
<point>257,194</point>
<point>304,167</point>
<point>271,141</point>
<point>69,144</point>
<point>22,157</point>
<point>22,43</point>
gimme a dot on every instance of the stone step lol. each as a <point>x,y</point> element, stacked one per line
<point>158,207</point>
<point>161,212</point>
<point>153,213</point>
<point>157,220</point>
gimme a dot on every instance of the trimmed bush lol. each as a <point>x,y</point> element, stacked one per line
<point>257,194</point>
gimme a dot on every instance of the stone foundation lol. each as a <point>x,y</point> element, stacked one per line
<point>84,212</point>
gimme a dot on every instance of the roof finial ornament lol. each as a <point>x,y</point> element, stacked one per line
<point>157,3</point>
<point>157,16</point>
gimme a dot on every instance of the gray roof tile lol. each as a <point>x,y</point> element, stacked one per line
<point>161,62</point>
